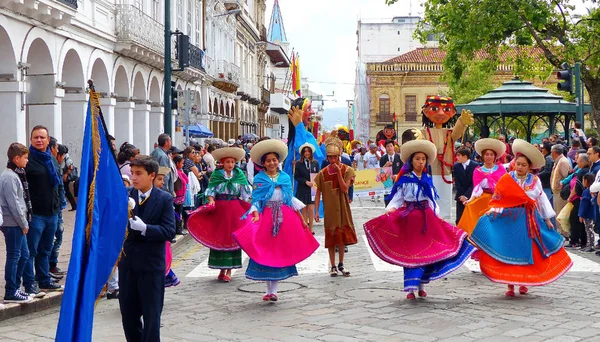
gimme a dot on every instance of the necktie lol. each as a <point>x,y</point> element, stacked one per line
<point>142,198</point>
<point>307,165</point>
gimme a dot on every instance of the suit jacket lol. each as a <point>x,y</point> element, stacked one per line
<point>147,252</point>
<point>396,163</point>
<point>463,179</point>
<point>546,172</point>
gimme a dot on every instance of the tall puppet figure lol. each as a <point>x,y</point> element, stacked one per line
<point>298,133</point>
<point>443,129</point>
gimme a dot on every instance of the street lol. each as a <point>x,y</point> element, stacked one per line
<point>367,306</point>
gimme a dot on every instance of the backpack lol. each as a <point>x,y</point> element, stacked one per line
<point>74,172</point>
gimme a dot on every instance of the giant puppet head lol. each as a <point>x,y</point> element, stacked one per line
<point>305,105</point>
<point>439,112</point>
<point>388,133</point>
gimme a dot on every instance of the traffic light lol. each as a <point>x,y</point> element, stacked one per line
<point>183,50</point>
<point>566,74</point>
<point>173,95</point>
<point>282,130</point>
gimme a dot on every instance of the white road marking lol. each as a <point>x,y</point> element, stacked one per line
<point>380,265</point>
<point>581,264</point>
<point>318,262</point>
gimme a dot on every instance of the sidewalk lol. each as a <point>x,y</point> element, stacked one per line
<point>53,298</point>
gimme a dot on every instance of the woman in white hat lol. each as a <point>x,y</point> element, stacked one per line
<point>485,178</point>
<point>276,237</point>
<point>213,225</point>
<point>411,234</point>
<point>302,172</point>
<point>518,243</point>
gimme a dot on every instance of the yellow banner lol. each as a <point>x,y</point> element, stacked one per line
<point>373,181</point>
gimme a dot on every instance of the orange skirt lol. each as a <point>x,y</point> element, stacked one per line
<point>543,270</point>
<point>473,211</point>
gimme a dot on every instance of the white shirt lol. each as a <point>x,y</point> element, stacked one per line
<point>372,161</point>
<point>210,162</point>
<point>407,194</point>
<point>145,194</point>
<point>360,161</point>
<point>466,164</point>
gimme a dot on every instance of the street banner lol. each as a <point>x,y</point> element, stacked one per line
<point>373,182</point>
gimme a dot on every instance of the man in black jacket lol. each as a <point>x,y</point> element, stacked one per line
<point>142,267</point>
<point>463,179</point>
<point>45,186</point>
<point>391,159</point>
<point>546,171</point>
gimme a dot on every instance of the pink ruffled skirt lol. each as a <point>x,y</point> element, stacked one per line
<point>413,237</point>
<point>214,228</point>
<point>292,244</point>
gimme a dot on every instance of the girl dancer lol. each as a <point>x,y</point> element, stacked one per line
<point>411,234</point>
<point>212,225</point>
<point>485,178</point>
<point>276,237</point>
<point>518,243</point>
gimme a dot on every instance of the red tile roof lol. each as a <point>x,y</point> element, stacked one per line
<point>426,55</point>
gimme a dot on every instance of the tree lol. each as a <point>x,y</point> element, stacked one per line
<point>466,27</point>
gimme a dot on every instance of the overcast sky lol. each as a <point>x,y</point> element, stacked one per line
<point>324,33</point>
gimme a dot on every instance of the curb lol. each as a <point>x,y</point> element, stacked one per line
<point>53,299</point>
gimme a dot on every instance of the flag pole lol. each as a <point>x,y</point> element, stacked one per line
<point>96,103</point>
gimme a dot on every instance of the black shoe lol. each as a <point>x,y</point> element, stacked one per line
<point>174,241</point>
<point>73,209</point>
<point>57,271</point>
<point>34,291</point>
<point>181,232</point>
<point>51,287</point>
<point>112,295</point>
<point>55,276</point>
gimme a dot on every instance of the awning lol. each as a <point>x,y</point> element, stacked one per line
<point>198,131</point>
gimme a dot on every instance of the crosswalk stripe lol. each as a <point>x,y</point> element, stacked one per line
<point>378,264</point>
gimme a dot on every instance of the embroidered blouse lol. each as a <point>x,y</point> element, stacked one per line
<point>409,193</point>
<point>243,191</point>
<point>533,188</point>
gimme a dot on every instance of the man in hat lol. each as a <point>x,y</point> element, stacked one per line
<point>333,182</point>
<point>443,129</point>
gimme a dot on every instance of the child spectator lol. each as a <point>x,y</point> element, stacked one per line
<point>587,211</point>
<point>15,214</point>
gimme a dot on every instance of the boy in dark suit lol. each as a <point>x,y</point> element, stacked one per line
<point>463,179</point>
<point>391,159</point>
<point>142,266</point>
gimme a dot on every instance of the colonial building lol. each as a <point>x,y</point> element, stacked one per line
<point>400,86</point>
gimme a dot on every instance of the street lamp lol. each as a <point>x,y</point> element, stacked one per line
<point>232,12</point>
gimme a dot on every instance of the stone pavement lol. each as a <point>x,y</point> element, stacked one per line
<point>368,306</point>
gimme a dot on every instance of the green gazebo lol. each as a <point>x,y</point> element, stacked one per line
<point>521,102</point>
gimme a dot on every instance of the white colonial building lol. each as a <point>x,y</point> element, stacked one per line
<point>50,48</point>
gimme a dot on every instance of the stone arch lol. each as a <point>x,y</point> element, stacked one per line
<point>222,108</point>
<point>215,107</point>
<point>100,76</point>
<point>121,82</point>
<point>154,91</point>
<point>41,88</point>
<point>139,87</point>
<point>74,104</point>
<point>13,128</point>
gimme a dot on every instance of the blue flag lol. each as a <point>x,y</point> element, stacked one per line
<point>100,227</point>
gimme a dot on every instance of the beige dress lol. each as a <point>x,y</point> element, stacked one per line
<point>339,227</point>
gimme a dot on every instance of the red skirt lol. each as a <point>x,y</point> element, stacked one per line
<point>292,244</point>
<point>214,228</point>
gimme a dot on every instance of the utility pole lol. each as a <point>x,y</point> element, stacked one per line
<point>167,83</point>
<point>579,95</point>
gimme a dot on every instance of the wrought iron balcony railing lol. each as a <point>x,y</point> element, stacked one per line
<point>70,3</point>
<point>197,57</point>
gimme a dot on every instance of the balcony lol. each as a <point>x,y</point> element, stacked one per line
<point>227,76</point>
<point>384,118</point>
<point>265,100</point>
<point>139,36</point>
<point>50,12</point>
<point>196,57</point>
<point>231,4</point>
<point>263,33</point>
<point>410,117</point>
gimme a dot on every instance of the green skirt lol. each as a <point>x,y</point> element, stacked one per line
<point>224,259</point>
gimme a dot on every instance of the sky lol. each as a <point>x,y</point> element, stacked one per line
<point>323,32</point>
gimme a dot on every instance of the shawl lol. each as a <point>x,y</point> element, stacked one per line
<point>509,194</point>
<point>46,158</point>
<point>492,177</point>
<point>424,185</point>
<point>264,187</point>
<point>237,177</point>
<point>23,178</point>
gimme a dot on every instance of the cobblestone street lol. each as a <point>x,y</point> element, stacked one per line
<point>368,306</point>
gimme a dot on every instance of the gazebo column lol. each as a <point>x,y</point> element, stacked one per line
<point>552,124</point>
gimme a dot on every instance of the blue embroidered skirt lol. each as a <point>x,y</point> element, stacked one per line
<point>413,277</point>
<point>256,271</point>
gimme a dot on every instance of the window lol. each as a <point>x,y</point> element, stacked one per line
<point>190,16</point>
<point>179,23</point>
<point>384,109</point>
<point>410,107</point>
<point>198,33</point>
<point>156,10</point>
<point>431,37</point>
<point>398,49</point>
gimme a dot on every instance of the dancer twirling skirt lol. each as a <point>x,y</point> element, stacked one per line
<point>518,242</point>
<point>213,225</point>
<point>411,234</point>
<point>276,237</point>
